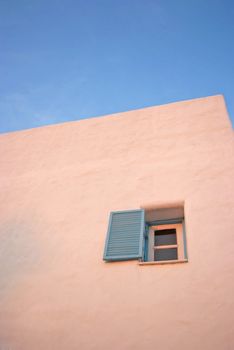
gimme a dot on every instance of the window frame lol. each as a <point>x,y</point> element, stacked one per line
<point>181,241</point>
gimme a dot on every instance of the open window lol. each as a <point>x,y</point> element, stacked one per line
<point>165,239</point>
<point>165,242</point>
<point>150,236</point>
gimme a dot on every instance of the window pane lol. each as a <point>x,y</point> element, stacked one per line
<point>165,254</point>
<point>165,237</point>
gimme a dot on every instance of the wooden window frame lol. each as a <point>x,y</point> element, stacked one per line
<point>178,225</point>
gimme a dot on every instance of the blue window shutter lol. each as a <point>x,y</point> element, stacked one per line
<point>125,235</point>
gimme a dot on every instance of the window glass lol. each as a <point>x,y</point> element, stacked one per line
<point>165,237</point>
<point>165,254</point>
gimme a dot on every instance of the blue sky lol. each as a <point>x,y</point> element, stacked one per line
<point>73,59</point>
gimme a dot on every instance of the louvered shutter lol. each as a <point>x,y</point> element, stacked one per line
<point>125,235</point>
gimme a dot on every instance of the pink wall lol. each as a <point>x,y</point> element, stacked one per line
<point>58,185</point>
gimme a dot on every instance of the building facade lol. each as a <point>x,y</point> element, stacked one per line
<point>59,185</point>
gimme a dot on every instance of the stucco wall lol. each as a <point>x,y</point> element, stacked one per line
<point>58,185</point>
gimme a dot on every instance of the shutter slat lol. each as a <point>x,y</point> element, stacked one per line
<point>125,235</point>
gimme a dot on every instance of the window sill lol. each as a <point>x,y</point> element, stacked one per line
<point>162,262</point>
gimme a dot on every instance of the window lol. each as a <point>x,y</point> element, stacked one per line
<point>151,236</point>
<point>165,242</point>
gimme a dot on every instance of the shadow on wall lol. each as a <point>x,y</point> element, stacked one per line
<point>19,254</point>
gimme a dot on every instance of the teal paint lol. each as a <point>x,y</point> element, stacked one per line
<point>146,241</point>
<point>166,221</point>
<point>185,241</point>
<point>125,235</point>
